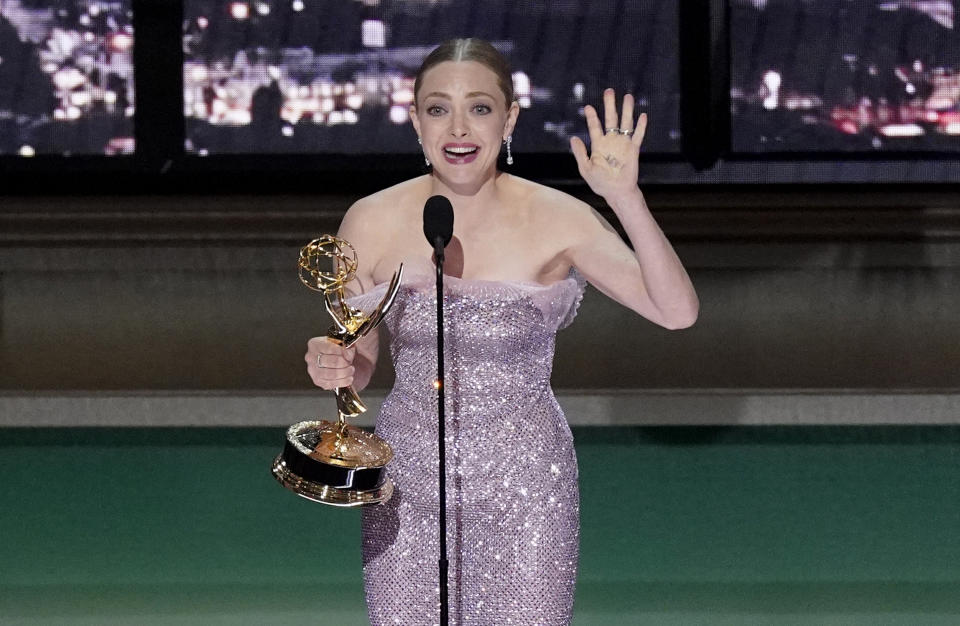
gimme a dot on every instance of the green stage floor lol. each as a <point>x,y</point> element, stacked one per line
<point>735,525</point>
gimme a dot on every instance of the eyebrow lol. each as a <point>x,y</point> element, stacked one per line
<point>472,94</point>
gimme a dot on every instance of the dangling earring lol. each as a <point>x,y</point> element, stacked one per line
<point>425,159</point>
<point>509,154</point>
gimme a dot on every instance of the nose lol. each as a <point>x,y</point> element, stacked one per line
<point>458,124</point>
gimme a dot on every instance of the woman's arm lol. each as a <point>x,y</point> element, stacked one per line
<point>356,228</point>
<point>330,365</point>
<point>651,280</point>
<point>366,359</point>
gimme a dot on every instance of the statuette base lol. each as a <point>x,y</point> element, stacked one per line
<point>325,494</point>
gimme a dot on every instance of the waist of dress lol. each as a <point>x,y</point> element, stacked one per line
<point>466,397</point>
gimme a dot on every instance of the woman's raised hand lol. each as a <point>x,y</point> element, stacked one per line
<point>612,167</point>
<point>329,365</point>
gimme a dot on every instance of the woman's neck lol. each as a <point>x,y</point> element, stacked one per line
<point>468,200</point>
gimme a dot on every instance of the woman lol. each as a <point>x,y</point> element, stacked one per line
<point>517,265</point>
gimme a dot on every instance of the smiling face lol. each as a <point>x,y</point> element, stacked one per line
<point>462,119</point>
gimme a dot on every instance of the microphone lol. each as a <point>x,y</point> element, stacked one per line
<point>438,228</point>
<point>438,223</point>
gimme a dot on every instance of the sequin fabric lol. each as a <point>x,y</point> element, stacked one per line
<point>512,495</point>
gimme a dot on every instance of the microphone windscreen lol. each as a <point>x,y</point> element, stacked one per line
<point>438,220</point>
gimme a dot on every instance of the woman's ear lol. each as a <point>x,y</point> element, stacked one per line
<point>512,113</point>
<point>414,118</point>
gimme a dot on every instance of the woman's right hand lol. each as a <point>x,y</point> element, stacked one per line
<point>329,365</point>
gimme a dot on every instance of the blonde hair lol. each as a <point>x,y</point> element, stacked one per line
<point>470,49</point>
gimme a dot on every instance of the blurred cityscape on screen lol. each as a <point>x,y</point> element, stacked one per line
<point>66,77</point>
<point>336,76</point>
<point>845,75</point>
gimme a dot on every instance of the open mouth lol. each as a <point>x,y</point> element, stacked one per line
<point>460,154</point>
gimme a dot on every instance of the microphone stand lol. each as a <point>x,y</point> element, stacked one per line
<point>444,607</point>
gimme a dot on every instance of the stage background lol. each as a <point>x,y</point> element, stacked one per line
<point>791,459</point>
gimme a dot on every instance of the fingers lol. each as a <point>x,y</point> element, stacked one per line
<point>609,109</point>
<point>579,150</point>
<point>333,360</point>
<point>326,347</point>
<point>329,365</point>
<point>640,130</point>
<point>593,123</point>
<point>625,123</point>
<point>626,118</point>
<point>331,378</point>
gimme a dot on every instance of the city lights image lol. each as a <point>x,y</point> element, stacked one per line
<point>322,76</point>
<point>841,75</point>
<point>66,77</point>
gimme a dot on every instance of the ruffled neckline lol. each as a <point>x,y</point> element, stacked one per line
<point>561,298</point>
<point>430,279</point>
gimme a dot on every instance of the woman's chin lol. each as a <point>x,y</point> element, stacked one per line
<point>464,185</point>
<point>465,173</point>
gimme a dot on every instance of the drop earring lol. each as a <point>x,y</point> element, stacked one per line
<point>509,154</point>
<point>425,159</point>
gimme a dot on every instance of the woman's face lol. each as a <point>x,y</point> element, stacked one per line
<point>462,120</point>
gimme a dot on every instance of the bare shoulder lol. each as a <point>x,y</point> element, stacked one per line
<point>553,209</point>
<point>375,215</point>
<point>371,224</point>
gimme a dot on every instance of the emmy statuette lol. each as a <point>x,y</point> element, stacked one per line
<point>333,462</point>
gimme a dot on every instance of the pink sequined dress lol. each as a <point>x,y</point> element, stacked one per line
<point>512,498</point>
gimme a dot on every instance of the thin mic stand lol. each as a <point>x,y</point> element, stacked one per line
<point>444,608</point>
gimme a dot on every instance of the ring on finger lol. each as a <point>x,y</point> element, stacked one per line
<point>611,131</point>
<point>319,364</point>
<point>624,131</point>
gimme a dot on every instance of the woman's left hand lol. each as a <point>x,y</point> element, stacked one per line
<point>612,168</point>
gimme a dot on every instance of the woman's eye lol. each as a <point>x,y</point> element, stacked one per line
<point>435,110</point>
<point>482,109</point>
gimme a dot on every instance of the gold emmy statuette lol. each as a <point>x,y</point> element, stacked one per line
<point>333,462</point>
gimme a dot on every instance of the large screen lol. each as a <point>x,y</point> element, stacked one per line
<point>336,76</point>
<point>66,77</point>
<point>845,75</point>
